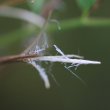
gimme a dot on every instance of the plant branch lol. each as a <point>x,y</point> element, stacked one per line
<point>64,24</point>
<point>77,23</point>
<point>15,58</point>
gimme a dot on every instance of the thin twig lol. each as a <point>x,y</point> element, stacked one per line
<point>15,58</point>
<point>77,23</point>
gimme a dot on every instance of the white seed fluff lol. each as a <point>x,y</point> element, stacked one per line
<point>62,59</point>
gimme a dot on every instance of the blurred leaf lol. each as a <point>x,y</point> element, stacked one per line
<point>85,5</point>
<point>6,40</point>
<point>36,5</point>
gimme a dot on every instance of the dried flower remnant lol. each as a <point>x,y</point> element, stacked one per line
<point>35,53</point>
<point>66,59</point>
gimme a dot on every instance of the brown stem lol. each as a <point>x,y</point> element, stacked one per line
<point>15,58</point>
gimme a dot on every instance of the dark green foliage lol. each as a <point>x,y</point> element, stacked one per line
<point>85,5</point>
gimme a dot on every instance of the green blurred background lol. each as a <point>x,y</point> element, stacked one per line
<point>21,87</point>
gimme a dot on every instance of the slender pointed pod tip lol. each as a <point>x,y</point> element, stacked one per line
<point>74,61</point>
<point>97,62</point>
